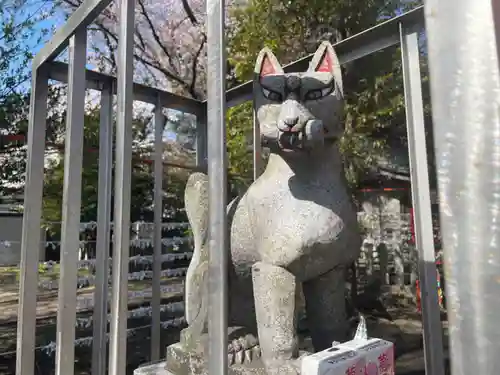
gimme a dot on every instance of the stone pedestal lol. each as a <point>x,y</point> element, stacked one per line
<point>190,355</point>
<point>159,368</point>
<point>181,362</point>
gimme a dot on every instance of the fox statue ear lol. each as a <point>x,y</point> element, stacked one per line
<point>325,60</point>
<point>267,63</point>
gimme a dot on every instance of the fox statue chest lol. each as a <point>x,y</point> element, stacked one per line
<point>304,227</point>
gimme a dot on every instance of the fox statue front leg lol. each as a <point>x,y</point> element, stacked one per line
<point>275,291</point>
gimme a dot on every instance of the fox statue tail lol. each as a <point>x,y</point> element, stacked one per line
<point>196,204</point>
<point>244,348</point>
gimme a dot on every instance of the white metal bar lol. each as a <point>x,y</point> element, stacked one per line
<point>421,198</point>
<point>83,16</point>
<point>201,140</point>
<point>217,177</point>
<point>371,40</point>
<point>103,245</point>
<point>96,81</point>
<point>369,49</point>
<point>243,93</point>
<point>71,204</point>
<point>465,88</point>
<point>123,180</point>
<point>31,234</point>
<point>159,122</point>
<point>257,148</point>
<point>368,41</point>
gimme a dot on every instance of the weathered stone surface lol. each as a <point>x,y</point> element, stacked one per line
<point>295,228</point>
<point>243,352</point>
<point>183,362</point>
<point>180,362</point>
<point>196,205</point>
<point>153,369</point>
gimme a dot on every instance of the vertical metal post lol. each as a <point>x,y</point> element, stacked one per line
<point>158,220</point>
<point>100,319</point>
<point>30,243</point>
<point>496,23</point>
<point>201,139</point>
<point>217,177</point>
<point>421,198</point>
<point>123,179</point>
<point>465,88</point>
<point>257,148</point>
<point>72,197</point>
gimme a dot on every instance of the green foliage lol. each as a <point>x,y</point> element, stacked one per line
<point>54,175</point>
<point>293,29</point>
<point>15,110</point>
<point>142,178</point>
<point>239,131</point>
<point>13,116</point>
<point>21,30</point>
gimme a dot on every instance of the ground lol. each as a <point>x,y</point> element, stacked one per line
<point>138,352</point>
<point>405,331</point>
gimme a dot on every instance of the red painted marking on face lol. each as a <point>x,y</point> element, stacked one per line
<point>326,64</point>
<point>267,67</point>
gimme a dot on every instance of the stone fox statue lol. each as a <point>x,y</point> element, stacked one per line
<point>295,226</point>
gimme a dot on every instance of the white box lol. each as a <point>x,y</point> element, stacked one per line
<point>355,357</point>
<point>332,361</point>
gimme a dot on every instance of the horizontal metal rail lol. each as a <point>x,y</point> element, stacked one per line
<point>374,39</point>
<point>83,16</point>
<point>371,40</point>
<point>58,71</point>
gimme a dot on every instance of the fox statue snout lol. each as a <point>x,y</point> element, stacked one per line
<point>307,136</point>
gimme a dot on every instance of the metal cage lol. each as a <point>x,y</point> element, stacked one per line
<point>465,88</point>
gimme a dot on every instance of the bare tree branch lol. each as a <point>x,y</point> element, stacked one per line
<point>156,37</point>
<point>166,73</point>
<point>153,64</point>
<point>111,49</point>
<point>194,67</point>
<point>172,50</point>
<point>71,3</point>
<point>142,42</point>
<point>189,12</point>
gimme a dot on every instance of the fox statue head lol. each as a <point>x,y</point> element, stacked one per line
<point>299,112</point>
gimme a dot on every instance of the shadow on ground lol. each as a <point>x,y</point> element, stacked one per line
<point>405,331</point>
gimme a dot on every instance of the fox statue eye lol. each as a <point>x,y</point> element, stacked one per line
<point>272,95</point>
<point>318,93</point>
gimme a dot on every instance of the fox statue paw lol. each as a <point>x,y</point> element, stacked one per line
<point>243,350</point>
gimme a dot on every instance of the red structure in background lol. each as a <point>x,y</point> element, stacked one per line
<point>438,264</point>
<point>412,226</point>
<point>413,241</point>
<point>7,140</point>
<point>13,137</point>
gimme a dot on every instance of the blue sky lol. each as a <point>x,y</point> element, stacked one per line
<point>32,8</point>
<point>53,22</point>
<point>57,21</point>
